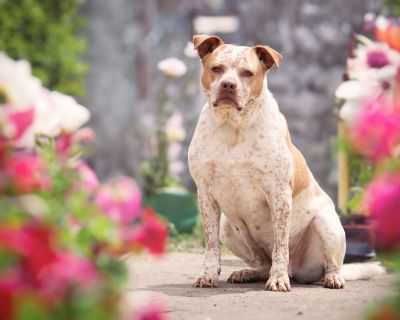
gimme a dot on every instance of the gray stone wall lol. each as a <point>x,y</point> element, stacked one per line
<point>127,38</point>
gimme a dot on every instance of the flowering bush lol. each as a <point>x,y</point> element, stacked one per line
<point>61,230</point>
<point>372,114</point>
<point>371,93</point>
<point>162,169</point>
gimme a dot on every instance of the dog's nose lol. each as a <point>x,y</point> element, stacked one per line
<point>228,84</point>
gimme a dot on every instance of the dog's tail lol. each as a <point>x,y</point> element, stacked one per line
<point>361,271</point>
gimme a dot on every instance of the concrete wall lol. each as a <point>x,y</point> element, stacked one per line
<point>127,38</point>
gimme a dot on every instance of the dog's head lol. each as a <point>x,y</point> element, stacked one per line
<point>233,76</point>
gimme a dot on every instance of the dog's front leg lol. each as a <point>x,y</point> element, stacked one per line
<point>281,204</point>
<point>210,213</point>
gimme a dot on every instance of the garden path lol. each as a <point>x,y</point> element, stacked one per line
<point>171,277</point>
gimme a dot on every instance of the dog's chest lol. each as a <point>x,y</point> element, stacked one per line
<point>235,174</point>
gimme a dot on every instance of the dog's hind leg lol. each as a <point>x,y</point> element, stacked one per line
<point>259,262</point>
<point>324,251</point>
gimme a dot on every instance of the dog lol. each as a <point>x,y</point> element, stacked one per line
<point>256,193</point>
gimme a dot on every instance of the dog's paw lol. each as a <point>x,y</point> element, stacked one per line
<point>333,281</point>
<point>278,283</point>
<point>206,280</point>
<point>246,275</point>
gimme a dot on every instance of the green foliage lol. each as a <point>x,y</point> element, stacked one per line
<point>187,242</point>
<point>361,173</point>
<point>45,33</point>
<point>394,6</point>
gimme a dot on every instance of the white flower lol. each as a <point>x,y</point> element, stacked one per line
<point>71,114</point>
<point>189,50</point>
<point>354,93</point>
<point>17,85</point>
<point>348,112</point>
<point>215,24</point>
<point>47,120</point>
<point>176,167</point>
<point>369,17</point>
<point>174,150</point>
<point>356,90</point>
<point>173,129</point>
<point>56,112</point>
<point>172,67</point>
<point>382,22</point>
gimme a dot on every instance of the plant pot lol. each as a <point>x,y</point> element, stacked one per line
<point>359,242</point>
<point>177,206</point>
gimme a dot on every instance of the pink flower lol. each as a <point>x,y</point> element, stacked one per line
<point>383,203</point>
<point>119,199</point>
<point>13,126</point>
<point>26,173</point>
<point>33,243</point>
<point>376,130</point>
<point>41,266</point>
<point>66,271</point>
<point>89,179</point>
<point>151,311</point>
<point>11,284</point>
<point>151,234</point>
<point>64,143</point>
<point>85,135</point>
<point>6,303</point>
<point>20,120</point>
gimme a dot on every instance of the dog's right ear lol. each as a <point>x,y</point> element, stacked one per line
<point>205,45</point>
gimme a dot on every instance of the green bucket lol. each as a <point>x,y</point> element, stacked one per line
<point>177,206</point>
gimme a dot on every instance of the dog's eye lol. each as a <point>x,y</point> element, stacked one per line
<point>217,69</point>
<point>247,73</point>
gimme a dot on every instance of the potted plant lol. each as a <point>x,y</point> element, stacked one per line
<point>372,72</point>
<point>161,186</point>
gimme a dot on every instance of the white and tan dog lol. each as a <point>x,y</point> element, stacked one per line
<point>255,191</point>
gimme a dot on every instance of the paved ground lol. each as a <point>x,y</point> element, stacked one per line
<point>171,279</point>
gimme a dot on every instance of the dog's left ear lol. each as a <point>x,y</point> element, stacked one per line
<point>268,56</point>
<point>205,44</point>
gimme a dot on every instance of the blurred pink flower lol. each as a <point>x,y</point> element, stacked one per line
<point>64,143</point>
<point>151,234</point>
<point>33,243</point>
<point>119,199</point>
<point>26,173</point>
<point>376,130</point>
<point>383,203</point>
<point>151,311</point>
<point>14,126</point>
<point>11,284</point>
<point>20,121</point>
<point>89,178</point>
<point>65,271</point>
<point>85,135</point>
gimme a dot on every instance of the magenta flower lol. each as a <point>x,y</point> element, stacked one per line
<point>383,202</point>
<point>25,173</point>
<point>119,199</point>
<point>376,130</point>
<point>377,59</point>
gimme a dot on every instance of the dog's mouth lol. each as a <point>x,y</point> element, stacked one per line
<point>227,100</point>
